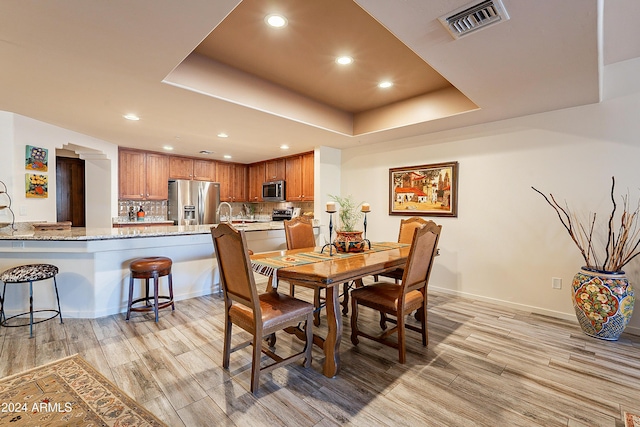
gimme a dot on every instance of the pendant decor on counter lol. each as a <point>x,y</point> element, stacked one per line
<point>349,241</point>
<point>5,203</point>
<point>603,301</point>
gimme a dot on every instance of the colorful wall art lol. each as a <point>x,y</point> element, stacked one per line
<point>426,190</point>
<point>36,159</point>
<point>36,186</point>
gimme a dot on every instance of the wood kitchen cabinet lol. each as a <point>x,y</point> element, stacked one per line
<point>143,175</point>
<point>275,170</point>
<point>233,181</point>
<point>180,167</point>
<point>299,177</point>
<point>256,174</point>
<point>188,168</point>
<point>240,183</point>
<point>204,170</point>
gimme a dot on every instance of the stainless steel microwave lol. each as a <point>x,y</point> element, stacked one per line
<point>273,191</point>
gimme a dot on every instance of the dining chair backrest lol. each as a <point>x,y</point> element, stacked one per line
<point>236,276</point>
<point>423,250</point>
<point>299,233</point>
<point>408,226</point>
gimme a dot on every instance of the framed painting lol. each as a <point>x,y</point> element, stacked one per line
<point>36,186</point>
<point>425,190</point>
<point>36,159</point>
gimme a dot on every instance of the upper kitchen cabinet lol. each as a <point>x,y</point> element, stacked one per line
<point>204,170</point>
<point>180,167</point>
<point>299,177</point>
<point>233,181</point>
<point>275,170</point>
<point>256,179</point>
<point>143,175</point>
<point>187,168</point>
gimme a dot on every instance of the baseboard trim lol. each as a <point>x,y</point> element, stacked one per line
<point>571,317</point>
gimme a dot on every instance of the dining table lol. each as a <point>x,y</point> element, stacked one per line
<point>315,268</point>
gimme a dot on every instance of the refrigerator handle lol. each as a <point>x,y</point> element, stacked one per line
<point>200,205</point>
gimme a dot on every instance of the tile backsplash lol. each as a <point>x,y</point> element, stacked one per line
<point>154,209</point>
<point>157,210</point>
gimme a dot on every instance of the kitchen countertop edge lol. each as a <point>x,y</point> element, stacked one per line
<point>88,234</point>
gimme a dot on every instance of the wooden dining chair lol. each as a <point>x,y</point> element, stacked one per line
<point>260,315</point>
<point>407,227</point>
<point>390,298</point>
<point>298,233</point>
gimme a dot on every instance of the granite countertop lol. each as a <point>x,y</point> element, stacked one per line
<point>86,234</point>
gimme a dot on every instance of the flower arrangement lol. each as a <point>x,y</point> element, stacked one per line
<point>349,213</point>
<point>620,247</point>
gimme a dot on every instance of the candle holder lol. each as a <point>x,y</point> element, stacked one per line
<point>330,244</point>
<point>365,229</point>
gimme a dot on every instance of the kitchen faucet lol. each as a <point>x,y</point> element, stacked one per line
<point>230,217</point>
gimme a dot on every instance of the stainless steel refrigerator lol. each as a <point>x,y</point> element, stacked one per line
<point>193,202</point>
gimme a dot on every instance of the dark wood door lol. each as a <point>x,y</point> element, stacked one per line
<point>70,202</point>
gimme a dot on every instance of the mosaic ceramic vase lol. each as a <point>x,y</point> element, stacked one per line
<point>349,241</point>
<point>603,301</point>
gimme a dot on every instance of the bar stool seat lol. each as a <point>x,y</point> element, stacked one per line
<point>150,268</point>
<point>29,273</point>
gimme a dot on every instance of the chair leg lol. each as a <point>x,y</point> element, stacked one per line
<point>402,353</point>
<point>155,294</point>
<point>309,343</point>
<point>345,299</point>
<point>271,340</point>
<point>316,304</point>
<point>354,322</point>
<point>423,322</point>
<point>30,309</point>
<point>2,315</point>
<point>146,292</point>
<point>173,304</point>
<point>255,363</point>
<point>130,297</point>
<point>383,321</point>
<point>226,351</point>
<point>55,286</point>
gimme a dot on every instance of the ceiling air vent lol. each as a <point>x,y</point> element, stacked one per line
<point>473,17</point>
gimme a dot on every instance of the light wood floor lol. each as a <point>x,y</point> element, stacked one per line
<point>485,366</point>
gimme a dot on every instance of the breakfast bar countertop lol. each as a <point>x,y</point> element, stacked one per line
<point>26,231</point>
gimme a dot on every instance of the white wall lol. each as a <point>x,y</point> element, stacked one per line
<point>327,181</point>
<point>6,148</point>
<point>506,243</point>
<point>101,167</point>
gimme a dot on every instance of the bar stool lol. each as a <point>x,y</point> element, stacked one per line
<point>23,274</point>
<point>150,268</point>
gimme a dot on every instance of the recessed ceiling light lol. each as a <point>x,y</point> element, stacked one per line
<point>284,147</point>
<point>276,21</point>
<point>385,84</point>
<point>344,60</point>
<point>132,117</point>
<point>223,135</point>
<point>227,156</point>
<point>168,147</point>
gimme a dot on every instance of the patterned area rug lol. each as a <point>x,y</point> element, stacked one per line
<point>631,420</point>
<point>68,392</point>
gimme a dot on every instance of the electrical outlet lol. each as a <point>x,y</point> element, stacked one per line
<point>556,283</point>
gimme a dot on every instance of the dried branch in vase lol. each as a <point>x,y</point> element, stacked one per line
<point>621,246</point>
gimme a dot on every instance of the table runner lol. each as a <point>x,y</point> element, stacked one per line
<point>270,266</point>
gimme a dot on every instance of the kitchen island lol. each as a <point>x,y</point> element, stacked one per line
<point>94,263</point>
